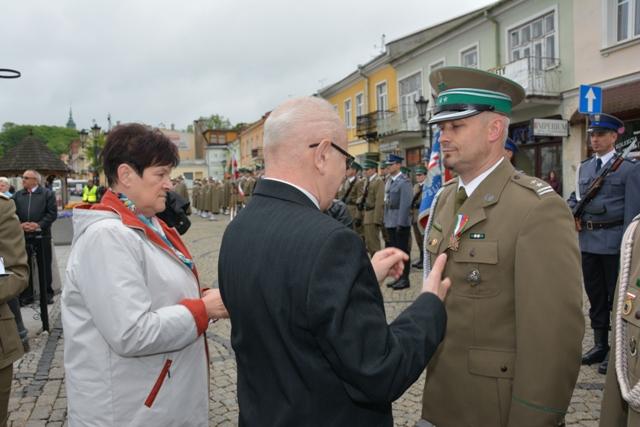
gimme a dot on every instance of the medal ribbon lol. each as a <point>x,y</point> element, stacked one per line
<point>460,223</point>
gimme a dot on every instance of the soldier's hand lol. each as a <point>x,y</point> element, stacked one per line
<point>434,282</point>
<point>214,305</point>
<point>388,262</point>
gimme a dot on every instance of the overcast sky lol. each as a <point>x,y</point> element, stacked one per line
<point>173,61</point>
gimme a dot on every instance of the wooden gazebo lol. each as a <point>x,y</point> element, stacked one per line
<point>32,153</point>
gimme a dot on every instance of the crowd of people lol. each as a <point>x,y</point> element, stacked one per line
<point>497,324</point>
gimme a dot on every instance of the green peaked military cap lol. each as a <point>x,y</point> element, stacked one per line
<point>464,92</point>
<point>405,170</point>
<point>355,165</point>
<point>420,170</point>
<point>370,164</point>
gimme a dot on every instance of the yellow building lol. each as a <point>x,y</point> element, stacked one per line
<point>251,137</point>
<point>190,166</point>
<point>363,99</point>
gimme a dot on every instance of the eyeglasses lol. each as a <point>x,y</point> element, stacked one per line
<point>350,158</point>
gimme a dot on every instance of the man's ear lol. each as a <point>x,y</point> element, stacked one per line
<point>496,129</point>
<point>320,156</point>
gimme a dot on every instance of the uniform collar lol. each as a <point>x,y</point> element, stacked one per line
<point>475,182</point>
<point>606,157</point>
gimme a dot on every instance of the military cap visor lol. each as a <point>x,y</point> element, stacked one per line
<point>605,123</point>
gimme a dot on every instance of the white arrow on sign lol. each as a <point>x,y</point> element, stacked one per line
<point>590,98</point>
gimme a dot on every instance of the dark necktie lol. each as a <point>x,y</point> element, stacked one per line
<point>598,164</point>
<point>461,196</point>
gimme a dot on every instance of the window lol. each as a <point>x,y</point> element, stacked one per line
<point>410,90</point>
<point>381,96</point>
<point>359,105</point>
<point>469,57</point>
<point>627,19</point>
<point>347,113</point>
<point>536,40</point>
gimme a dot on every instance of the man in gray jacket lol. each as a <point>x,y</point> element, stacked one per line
<point>397,214</point>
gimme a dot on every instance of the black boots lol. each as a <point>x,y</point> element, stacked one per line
<point>600,349</point>
<point>602,369</point>
<point>418,263</point>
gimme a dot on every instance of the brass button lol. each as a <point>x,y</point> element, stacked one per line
<point>633,346</point>
<point>503,368</point>
<point>638,314</point>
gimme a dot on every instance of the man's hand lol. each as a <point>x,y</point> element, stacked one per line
<point>388,262</point>
<point>214,305</point>
<point>29,227</point>
<point>434,283</point>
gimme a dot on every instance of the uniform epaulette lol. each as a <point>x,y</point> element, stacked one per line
<point>538,186</point>
<point>586,160</point>
<point>631,160</point>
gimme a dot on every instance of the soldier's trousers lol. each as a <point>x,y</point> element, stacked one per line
<point>600,276</point>
<point>418,235</point>
<point>400,237</point>
<point>6,375</point>
<point>372,237</point>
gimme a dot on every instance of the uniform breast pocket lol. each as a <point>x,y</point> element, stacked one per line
<point>613,186</point>
<point>474,269</point>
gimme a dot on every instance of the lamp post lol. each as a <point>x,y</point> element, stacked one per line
<point>422,105</point>
<point>95,131</point>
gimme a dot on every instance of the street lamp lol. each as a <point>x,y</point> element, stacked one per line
<point>83,137</point>
<point>422,105</point>
<point>95,131</point>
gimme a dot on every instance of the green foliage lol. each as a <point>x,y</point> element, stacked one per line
<point>55,137</point>
<point>216,121</point>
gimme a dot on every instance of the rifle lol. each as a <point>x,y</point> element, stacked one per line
<point>596,185</point>
<point>346,194</point>
<point>360,205</point>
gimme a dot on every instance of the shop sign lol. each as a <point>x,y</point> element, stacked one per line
<point>389,146</point>
<point>550,127</point>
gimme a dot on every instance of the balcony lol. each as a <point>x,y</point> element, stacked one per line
<point>539,76</point>
<point>367,125</point>
<point>379,124</point>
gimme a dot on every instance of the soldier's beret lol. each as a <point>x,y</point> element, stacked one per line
<point>510,145</point>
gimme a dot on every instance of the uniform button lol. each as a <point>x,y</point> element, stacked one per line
<point>472,252</point>
<point>633,347</point>
<point>516,177</point>
<point>503,368</point>
<point>638,314</point>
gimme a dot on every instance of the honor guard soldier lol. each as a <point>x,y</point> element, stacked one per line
<point>349,193</point>
<point>421,174</point>
<point>397,215</point>
<point>372,206</point>
<point>601,225</point>
<point>621,401</point>
<point>511,353</point>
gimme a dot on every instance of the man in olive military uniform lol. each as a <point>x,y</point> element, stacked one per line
<point>603,222</point>
<point>372,206</point>
<point>421,174</point>
<point>621,401</point>
<point>349,193</point>
<point>248,184</point>
<point>397,215</point>
<point>13,280</point>
<point>511,353</point>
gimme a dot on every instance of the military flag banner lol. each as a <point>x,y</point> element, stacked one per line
<point>433,182</point>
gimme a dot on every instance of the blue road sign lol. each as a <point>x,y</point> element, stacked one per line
<point>590,99</point>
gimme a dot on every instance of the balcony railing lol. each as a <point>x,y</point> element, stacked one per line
<point>367,125</point>
<point>383,123</point>
<point>539,76</point>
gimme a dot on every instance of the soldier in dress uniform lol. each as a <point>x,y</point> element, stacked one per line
<point>181,188</point>
<point>372,206</point>
<point>603,223</point>
<point>397,215</point>
<point>349,193</point>
<point>511,353</point>
<point>248,184</point>
<point>621,401</point>
<point>421,174</point>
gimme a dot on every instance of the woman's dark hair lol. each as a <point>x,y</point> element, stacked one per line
<point>138,146</point>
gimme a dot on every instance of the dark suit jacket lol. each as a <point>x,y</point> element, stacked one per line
<point>39,206</point>
<point>308,323</point>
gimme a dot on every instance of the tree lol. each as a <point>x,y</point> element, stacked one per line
<point>216,121</point>
<point>55,137</point>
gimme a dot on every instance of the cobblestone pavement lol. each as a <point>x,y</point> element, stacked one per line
<point>38,393</point>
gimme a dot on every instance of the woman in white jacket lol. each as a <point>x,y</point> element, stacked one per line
<point>133,313</point>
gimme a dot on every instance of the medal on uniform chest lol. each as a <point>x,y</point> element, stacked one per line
<point>454,240</point>
<point>628,303</point>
